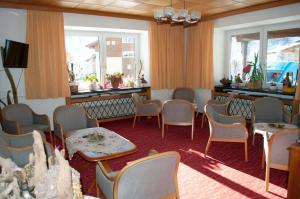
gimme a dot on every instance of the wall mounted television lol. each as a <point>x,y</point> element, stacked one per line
<point>15,54</point>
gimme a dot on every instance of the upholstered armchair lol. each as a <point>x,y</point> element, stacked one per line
<point>68,118</point>
<point>184,94</point>
<point>20,119</point>
<point>276,153</point>
<point>219,106</point>
<point>224,128</point>
<point>269,110</point>
<point>18,147</point>
<point>154,176</point>
<point>178,113</point>
<point>146,108</point>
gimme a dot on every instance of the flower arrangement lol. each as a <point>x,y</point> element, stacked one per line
<point>255,75</point>
<point>115,79</point>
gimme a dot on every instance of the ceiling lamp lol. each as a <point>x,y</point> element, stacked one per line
<point>169,14</point>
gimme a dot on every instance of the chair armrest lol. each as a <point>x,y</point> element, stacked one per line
<point>41,119</point>
<point>105,171</point>
<point>158,102</point>
<point>286,116</point>
<point>91,122</point>
<point>12,127</point>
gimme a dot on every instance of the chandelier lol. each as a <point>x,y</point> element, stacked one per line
<point>169,14</point>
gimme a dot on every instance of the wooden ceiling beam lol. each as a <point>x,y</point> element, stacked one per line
<point>139,17</point>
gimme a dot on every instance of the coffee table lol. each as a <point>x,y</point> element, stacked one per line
<point>266,130</point>
<point>89,145</point>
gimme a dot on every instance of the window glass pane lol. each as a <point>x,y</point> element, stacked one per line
<point>120,55</point>
<point>283,55</point>
<point>243,49</point>
<point>83,55</point>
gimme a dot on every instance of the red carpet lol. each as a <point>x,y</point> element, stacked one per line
<point>224,174</point>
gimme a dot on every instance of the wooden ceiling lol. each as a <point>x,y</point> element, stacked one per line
<point>143,9</point>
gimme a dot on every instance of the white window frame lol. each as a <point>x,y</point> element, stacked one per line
<point>263,30</point>
<point>102,52</point>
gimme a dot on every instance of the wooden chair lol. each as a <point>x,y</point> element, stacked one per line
<point>20,118</point>
<point>150,177</point>
<point>219,106</point>
<point>225,128</point>
<point>178,113</point>
<point>146,108</point>
<point>269,110</point>
<point>276,153</point>
<point>68,118</point>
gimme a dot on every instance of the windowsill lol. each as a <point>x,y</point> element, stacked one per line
<point>110,91</point>
<point>255,92</point>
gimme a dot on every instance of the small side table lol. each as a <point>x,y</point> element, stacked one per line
<point>266,130</point>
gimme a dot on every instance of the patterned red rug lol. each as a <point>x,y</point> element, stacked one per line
<point>224,174</point>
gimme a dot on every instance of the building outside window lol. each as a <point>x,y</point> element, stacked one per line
<point>102,53</point>
<point>278,50</point>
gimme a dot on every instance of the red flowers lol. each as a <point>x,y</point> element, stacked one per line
<point>247,68</point>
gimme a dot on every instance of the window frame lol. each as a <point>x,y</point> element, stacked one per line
<point>263,30</point>
<point>102,35</point>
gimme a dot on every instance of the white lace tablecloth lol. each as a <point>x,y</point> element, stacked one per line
<point>112,143</point>
<point>266,130</point>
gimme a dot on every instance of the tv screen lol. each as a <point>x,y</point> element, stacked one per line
<point>15,54</point>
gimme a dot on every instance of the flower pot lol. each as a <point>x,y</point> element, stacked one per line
<point>73,88</point>
<point>254,85</point>
<point>93,86</point>
<point>115,84</point>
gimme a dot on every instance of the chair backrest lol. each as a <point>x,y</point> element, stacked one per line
<point>18,112</point>
<point>177,111</point>
<point>154,176</point>
<point>267,109</point>
<point>136,99</point>
<point>211,113</point>
<point>279,143</point>
<point>70,117</point>
<point>184,94</point>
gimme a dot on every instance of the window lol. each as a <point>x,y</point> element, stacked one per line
<point>283,55</point>
<point>278,50</point>
<point>101,53</point>
<point>243,49</point>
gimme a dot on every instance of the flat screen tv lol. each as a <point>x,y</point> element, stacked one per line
<point>15,54</point>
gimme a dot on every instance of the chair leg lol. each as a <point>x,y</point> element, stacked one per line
<point>97,190</point>
<point>207,147</point>
<point>192,133</point>
<point>134,121</point>
<point>158,121</point>
<point>263,160</point>
<point>253,138</point>
<point>202,121</point>
<point>246,151</point>
<point>267,178</point>
<point>163,131</point>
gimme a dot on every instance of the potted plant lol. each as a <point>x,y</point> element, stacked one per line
<point>93,80</point>
<point>115,79</point>
<point>72,83</point>
<point>256,75</point>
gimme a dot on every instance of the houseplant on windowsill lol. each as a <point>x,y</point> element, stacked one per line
<point>115,79</point>
<point>256,75</point>
<point>72,83</point>
<point>93,80</point>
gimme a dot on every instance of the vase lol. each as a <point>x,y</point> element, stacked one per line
<point>115,84</point>
<point>254,85</point>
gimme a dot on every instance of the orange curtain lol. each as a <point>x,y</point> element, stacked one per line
<point>199,67</point>
<point>166,56</point>
<point>46,75</point>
